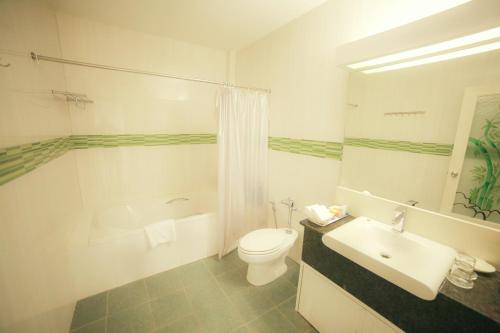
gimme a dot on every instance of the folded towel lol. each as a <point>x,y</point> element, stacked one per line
<point>319,214</point>
<point>160,232</point>
<point>322,215</point>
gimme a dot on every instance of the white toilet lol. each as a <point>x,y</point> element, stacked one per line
<point>265,251</point>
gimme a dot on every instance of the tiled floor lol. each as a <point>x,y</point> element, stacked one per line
<point>204,296</point>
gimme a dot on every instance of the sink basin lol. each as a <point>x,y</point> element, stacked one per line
<point>413,263</point>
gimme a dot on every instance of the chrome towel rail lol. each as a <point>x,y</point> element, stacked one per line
<point>73,97</point>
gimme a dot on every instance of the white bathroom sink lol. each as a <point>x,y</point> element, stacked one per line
<point>414,263</point>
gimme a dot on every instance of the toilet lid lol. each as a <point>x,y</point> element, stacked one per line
<point>262,240</point>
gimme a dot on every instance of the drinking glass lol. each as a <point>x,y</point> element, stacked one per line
<point>462,272</point>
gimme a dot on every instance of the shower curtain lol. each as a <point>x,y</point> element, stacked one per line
<point>242,164</point>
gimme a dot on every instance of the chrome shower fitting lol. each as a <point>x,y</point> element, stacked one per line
<point>291,207</point>
<point>273,207</point>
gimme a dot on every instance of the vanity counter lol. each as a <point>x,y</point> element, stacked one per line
<point>453,310</point>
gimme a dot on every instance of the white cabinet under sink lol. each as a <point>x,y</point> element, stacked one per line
<point>329,308</point>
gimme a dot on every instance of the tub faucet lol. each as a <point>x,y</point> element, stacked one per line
<point>398,221</point>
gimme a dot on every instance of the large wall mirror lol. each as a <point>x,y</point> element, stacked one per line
<point>428,135</point>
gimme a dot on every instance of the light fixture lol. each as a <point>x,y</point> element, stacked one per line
<point>479,37</point>
<point>437,58</point>
<point>470,28</point>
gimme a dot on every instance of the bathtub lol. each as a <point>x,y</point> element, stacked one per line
<point>118,252</point>
<point>113,223</point>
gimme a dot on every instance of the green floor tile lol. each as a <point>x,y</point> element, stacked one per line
<point>98,326</point>
<point>188,324</point>
<point>195,272</point>
<point>271,322</point>
<point>163,283</point>
<point>228,263</point>
<point>89,309</point>
<point>219,316</point>
<point>204,296</point>
<point>233,282</point>
<point>234,258</point>
<point>242,329</point>
<point>123,297</point>
<point>205,291</point>
<point>279,290</point>
<point>292,273</point>
<point>138,319</point>
<point>251,304</point>
<point>287,308</point>
<point>170,308</point>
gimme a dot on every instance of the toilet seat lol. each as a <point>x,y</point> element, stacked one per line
<point>262,241</point>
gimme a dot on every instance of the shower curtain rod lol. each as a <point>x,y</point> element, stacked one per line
<point>38,57</point>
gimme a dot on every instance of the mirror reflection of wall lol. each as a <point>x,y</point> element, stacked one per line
<point>400,127</point>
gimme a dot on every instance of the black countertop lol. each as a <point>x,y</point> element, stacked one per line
<point>479,306</point>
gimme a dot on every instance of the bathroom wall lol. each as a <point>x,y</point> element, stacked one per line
<point>308,95</point>
<point>127,103</point>
<point>296,62</point>
<point>36,289</point>
<point>435,89</point>
<point>47,190</point>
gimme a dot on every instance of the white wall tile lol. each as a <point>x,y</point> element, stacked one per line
<point>29,111</point>
<point>396,174</point>
<point>35,281</point>
<point>131,103</point>
<point>36,275</point>
<point>111,176</point>
<point>305,179</point>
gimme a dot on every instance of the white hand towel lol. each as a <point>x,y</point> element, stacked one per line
<point>322,212</point>
<point>319,214</point>
<point>160,232</point>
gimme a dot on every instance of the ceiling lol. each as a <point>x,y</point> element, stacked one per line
<point>222,24</point>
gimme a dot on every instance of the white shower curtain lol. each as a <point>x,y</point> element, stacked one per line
<point>242,177</point>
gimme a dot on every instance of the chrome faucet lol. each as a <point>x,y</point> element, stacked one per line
<point>398,221</point>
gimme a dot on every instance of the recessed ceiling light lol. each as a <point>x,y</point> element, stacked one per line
<point>432,59</point>
<point>431,49</point>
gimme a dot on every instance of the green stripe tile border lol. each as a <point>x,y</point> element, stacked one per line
<point>16,161</point>
<point>120,140</point>
<point>322,149</point>
<point>407,146</point>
